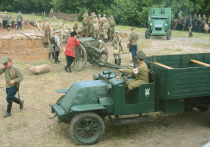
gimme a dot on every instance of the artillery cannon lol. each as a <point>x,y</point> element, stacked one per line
<point>93,51</point>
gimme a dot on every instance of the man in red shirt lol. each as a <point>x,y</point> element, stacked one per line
<point>69,51</point>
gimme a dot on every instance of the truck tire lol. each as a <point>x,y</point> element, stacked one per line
<point>202,108</point>
<point>87,128</point>
<point>147,33</point>
<point>168,35</point>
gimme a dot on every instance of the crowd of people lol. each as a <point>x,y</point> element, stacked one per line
<point>11,21</point>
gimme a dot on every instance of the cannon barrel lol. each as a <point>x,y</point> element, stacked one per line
<point>96,50</point>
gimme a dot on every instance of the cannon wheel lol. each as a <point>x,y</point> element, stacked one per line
<point>147,33</point>
<point>87,128</point>
<point>80,60</point>
<point>168,35</point>
<point>105,54</point>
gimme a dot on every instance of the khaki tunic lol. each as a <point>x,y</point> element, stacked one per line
<point>180,16</point>
<point>76,26</point>
<point>112,28</point>
<point>115,43</point>
<point>4,16</point>
<point>9,74</point>
<point>134,37</point>
<point>47,32</point>
<point>105,28</point>
<point>141,77</point>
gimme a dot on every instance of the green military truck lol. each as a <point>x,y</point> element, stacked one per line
<point>177,83</point>
<point>159,22</point>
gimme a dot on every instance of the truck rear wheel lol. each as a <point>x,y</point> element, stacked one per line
<point>147,33</point>
<point>168,35</point>
<point>87,128</point>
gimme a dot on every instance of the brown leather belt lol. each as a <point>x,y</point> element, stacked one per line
<point>7,81</point>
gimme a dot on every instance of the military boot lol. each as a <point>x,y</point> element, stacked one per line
<point>49,58</point>
<point>53,57</point>
<point>191,34</point>
<point>116,61</point>
<point>19,102</point>
<point>119,63</point>
<point>9,108</point>
<point>66,68</point>
<point>69,69</point>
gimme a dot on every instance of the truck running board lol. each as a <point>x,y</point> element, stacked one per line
<point>121,121</point>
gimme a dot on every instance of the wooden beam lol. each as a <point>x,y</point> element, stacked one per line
<point>199,62</point>
<point>163,65</point>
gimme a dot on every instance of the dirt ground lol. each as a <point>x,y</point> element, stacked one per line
<point>31,127</point>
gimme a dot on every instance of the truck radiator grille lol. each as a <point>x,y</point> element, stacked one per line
<point>158,29</point>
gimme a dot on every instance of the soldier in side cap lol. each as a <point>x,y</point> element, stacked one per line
<point>47,32</point>
<point>13,78</point>
<point>19,20</point>
<point>140,73</point>
<point>117,48</point>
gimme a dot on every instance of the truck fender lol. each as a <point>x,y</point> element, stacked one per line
<point>91,107</point>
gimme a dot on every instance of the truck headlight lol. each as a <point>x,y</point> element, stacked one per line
<point>108,87</point>
<point>95,77</point>
<point>166,24</point>
<point>151,24</point>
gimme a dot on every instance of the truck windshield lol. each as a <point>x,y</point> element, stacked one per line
<point>158,18</point>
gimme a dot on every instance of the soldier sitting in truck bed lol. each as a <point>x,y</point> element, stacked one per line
<point>140,73</point>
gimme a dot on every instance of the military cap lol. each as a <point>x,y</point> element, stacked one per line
<point>117,32</point>
<point>111,17</point>
<point>60,26</point>
<point>190,16</point>
<point>57,31</point>
<point>141,55</point>
<point>4,60</point>
<point>5,11</point>
<point>99,15</point>
<point>132,29</point>
<point>54,29</point>
<point>104,15</point>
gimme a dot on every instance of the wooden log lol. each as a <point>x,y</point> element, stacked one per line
<point>163,65</point>
<point>199,62</point>
<point>39,26</point>
<point>60,22</point>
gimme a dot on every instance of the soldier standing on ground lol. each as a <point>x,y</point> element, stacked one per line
<point>47,31</point>
<point>13,78</point>
<point>90,29</point>
<point>199,18</point>
<point>117,48</point>
<point>96,29</point>
<point>105,28</point>
<point>195,17</point>
<point>19,20</point>
<point>51,46</point>
<point>51,10</point>
<point>140,73</point>
<point>133,42</point>
<point>57,46</point>
<point>84,25</point>
<point>100,25</point>
<point>190,26</point>
<point>5,18</point>
<point>112,28</point>
<point>75,27</point>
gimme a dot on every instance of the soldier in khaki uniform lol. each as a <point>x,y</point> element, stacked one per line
<point>90,29</point>
<point>47,31</point>
<point>117,48</point>
<point>112,28</point>
<point>51,10</point>
<point>133,40</point>
<point>5,18</point>
<point>204,19</point>
<point>19,20</point>
<point>190,26</point>
<point>105,28</point>
<point>199,18</point>
<point>100,26</point>
<point>181,18</point>
<point>140,73</point>
<point>13,78</point>
<point>75,27</point>
<point>95,28</point>
<point>84,26</point>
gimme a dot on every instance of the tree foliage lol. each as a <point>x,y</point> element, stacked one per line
<point>125,12</point>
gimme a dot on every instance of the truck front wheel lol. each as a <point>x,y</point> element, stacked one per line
<point>147,33</point>
<point>87,128</point>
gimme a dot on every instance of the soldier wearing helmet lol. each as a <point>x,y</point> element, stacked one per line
<point>140,73</point>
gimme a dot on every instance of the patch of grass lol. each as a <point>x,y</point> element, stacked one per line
<point>202,45</point>
<point>179,50</point>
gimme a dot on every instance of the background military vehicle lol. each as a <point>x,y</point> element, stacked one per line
<point>159,21</point>
<point>177,83</point>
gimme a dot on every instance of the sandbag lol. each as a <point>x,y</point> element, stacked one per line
<point>40,69</point>
<point>17,37</point>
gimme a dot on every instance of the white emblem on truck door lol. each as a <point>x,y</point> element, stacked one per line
<point>147,93</point>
